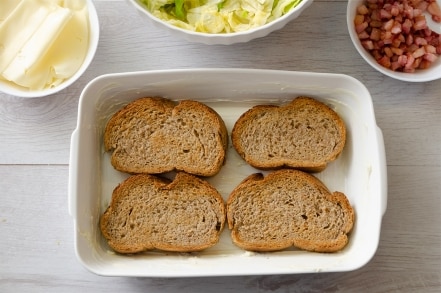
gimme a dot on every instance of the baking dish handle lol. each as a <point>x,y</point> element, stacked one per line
<point>382,170</point>
<point>73,176</point>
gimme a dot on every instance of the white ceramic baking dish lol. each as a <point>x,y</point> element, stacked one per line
<point>359,172</point>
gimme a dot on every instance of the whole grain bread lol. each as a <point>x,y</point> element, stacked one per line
<point>155,135</point>
<point>148,212</point>
<point>288,208</point>
<point>305,134</point>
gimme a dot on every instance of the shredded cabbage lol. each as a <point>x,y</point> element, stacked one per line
<point>219,16</point>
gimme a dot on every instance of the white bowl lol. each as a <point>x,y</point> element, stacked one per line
<point>224,38</point>
<point>360,171</point>
<point>423,75</point>
<point>94,31</point>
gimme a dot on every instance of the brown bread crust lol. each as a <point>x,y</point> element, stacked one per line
<point>155,135</point>
<point>288,208</point>
<point>148,212</point>
<point>305,134</point>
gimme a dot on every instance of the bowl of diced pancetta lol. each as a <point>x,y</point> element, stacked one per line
<point>401,39</point>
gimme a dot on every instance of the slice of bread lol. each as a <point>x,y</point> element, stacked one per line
<point>305,134</point>
<point>288,208</point>
<point>148,212</point>
<point>156,135</point>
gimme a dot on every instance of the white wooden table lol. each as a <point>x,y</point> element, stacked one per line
<point>36,231</point>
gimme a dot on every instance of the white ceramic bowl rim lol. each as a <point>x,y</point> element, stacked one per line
<point>93,44</point>
<point>222,38</point>
<point>223,35</point>
<point>432,73</point>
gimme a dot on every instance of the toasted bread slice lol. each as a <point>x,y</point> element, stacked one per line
<point>156,135</point>
<point>305,134</point>
<point>288,208</point>
<point>148,212</point>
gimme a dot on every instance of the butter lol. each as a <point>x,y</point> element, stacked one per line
<point>43,42</point>
<point>35,48</point>
<point>7,7</point>
<point>69,50</point>
<point>18,27</point>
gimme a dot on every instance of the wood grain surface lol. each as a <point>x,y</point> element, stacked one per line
<point>36,232</point>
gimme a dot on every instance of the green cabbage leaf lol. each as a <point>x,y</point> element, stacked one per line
<point>219,16</point>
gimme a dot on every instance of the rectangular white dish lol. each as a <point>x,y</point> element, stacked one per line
<point>359,172</point>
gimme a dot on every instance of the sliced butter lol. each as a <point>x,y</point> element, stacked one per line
<point>18,27</point>
<point>43,42</point>
<point>70,49</point>
<point>7,6</point>
<point>36,47</point>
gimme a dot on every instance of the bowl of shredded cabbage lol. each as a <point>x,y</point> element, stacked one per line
<point>220,21</point>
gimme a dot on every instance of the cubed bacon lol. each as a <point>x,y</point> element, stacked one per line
<point>388,52</point>
<point>409,62</point>
<point>420,41</point>
<point>412,48</point>
<point>406,26</point>
<point>422,5</point>
<point>395,66</point>
<point>375,34</point>
<point>396,28</point>
<point>434,9</point>
<point>397,51</point>
<point>368,45</point>
<point>425,64</point>
<point>417,13</point>
<point>395,10</point>
<point>375,23</point>
<point>387,26</point>
<point>408,12</point>
<point>363,35</point>
<point>402,60</point>
<point>359,19</point>
<point>417,62</point>
<point>419,23</point>
<point>418,52</point>
<point>396,34</point>
<point>430,57</point>
<point>362,9</point>
<point>430,49</point>
<point>384,14</point>
<point>384,61</point>
<point>409,39</point>
<point>361,27</point>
